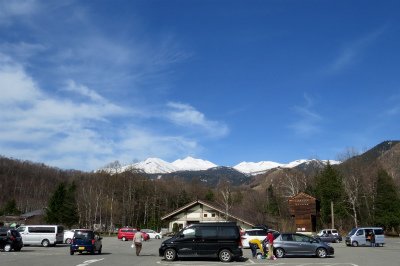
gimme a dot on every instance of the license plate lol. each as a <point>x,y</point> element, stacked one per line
<point>81,248</point>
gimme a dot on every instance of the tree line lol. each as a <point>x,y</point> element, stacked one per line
<point>361,196</point>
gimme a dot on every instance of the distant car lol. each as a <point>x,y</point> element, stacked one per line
<point>10,239</point>
<point>329,238</point>
<point>152,233</point>
<point>86,240</point>
<point>294,244</point>
<point>68,235</point>
<point>328,232</point>
<point>127,233</point>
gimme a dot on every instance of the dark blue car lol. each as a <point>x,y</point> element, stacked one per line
<point>86,240</point>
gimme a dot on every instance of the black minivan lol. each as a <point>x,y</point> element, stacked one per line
<point>207,240</point>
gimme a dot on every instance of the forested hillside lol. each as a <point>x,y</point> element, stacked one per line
<point>365,191</point>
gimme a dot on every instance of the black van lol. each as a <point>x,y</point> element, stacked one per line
<point>206,240</point>
<point>10,239</point>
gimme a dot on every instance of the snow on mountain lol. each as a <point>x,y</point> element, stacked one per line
<point>159,166</point>
<point>192,164</point>
<point>252,168</point>
<point>262,167</point>
<point>155,166</point>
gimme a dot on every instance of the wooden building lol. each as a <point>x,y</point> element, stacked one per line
<point>305,209</point>
<point>204,211</point>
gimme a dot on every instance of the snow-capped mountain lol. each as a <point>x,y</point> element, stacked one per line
<point>253,168</point>
<point>159,166</point>
<point>191,164</point>
<point>262,167</point>
<point>154,166</point>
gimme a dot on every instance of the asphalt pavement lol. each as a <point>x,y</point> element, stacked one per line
<point>117,252</point>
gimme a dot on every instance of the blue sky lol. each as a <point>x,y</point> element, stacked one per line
<point>85,83</point>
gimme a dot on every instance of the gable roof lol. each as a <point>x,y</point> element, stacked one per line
<point>213,205</point>
<point>303,195</point>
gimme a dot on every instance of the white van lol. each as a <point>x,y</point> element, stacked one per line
<point>361,236</point>
<point>332,232</point>
<point>44,235</point>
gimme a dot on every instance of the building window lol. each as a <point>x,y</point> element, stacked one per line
<point>205,215</point>
<point>213,215</point>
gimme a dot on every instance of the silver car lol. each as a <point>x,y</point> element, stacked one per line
<point>294,244</point>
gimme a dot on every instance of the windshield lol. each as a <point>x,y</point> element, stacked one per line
<point>352,232</point>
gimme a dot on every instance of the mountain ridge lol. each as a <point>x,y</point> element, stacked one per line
<point>159,166</point>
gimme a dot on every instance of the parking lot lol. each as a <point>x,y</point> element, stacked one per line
<point>116,252</point>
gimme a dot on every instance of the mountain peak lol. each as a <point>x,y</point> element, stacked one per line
<point>190,163</point>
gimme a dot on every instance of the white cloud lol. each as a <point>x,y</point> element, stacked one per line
<point>186,115</point>
<point>86,132</point>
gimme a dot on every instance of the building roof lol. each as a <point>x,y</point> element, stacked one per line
<point>213,205</point>
<point>302,195</point>
<point>32,213</point>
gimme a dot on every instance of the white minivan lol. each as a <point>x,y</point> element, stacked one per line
<point>332,232</point>
<point>361,236</point>
<point>44,235</point>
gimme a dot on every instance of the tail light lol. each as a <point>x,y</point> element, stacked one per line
<point>92,241</point>
<point>12,238</point>
<point>72,241</point>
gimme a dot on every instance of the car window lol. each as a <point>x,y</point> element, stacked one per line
<point>287,238</point>
<point>230,232</point>
<point>334,231</point>
<point>209,232</point>
<point>360,232</point>
<point>83,235</point>
<point>378,232</point>
<point>189,232</point>
<point>262,233</point>
<point>251,233</point>
<point>301,238</point>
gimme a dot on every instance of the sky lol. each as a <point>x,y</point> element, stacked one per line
<point>86,83</point>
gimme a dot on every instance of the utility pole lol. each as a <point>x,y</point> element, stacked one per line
<point>333,216</point>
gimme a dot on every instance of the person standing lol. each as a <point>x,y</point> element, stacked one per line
<point>270,241</point>
<point>137,239</point>
<point>373,239</point>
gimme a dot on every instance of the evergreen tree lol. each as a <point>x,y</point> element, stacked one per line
<point>62,206</point>
<point>55,207</point>
<point>272,202</point>
<point>210,195</point>
<point>328,189</point>
<point>10,208</point>
<point>387,203</point>
<point>69,216</point>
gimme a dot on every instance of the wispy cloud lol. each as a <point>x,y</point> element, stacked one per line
<point>308,122</point>
<point>351,52</point>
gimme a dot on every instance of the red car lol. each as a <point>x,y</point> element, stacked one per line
<point>127,233</point>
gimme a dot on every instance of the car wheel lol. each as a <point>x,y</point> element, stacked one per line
<point>321,253</point>
<point>225,255</point>
<point>279,253</point>
<point>7,247</point>
<point>157,237</point>
<point>45,243</point>
<point>170,254</point>
<point>123,238</point>
<point>71,252</point>
<point>337,240</point>
<point>68,241</point>
<point>354,244</point>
